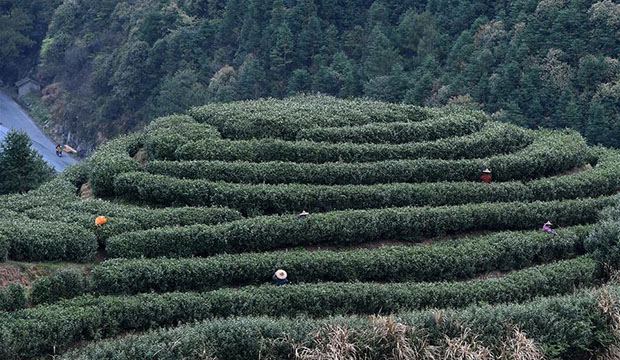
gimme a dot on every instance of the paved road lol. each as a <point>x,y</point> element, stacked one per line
<point>12,116</point>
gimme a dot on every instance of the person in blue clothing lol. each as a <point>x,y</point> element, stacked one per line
<point>58,150</point>
<point>280,278</point>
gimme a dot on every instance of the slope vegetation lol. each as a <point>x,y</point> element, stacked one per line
<point>203,208</point>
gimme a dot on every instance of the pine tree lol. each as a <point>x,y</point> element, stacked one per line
<point>251,79</point>
<point>381,56</point>
<point>281,58</point>
<point>21,168</point>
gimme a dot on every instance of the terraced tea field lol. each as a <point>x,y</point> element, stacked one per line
<point>404,253</point>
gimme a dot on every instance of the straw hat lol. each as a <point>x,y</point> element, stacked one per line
<point>303,214</point>
<point>281,274</point>
<point>548,223</point>
<point>486,171</point>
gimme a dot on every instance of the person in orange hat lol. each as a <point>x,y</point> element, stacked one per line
<point>100,221</point>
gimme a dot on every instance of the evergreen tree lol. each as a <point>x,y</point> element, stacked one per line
<point>21,168</point>
<point>299,82</point>
<point>251,83</point>
<point>381,55</point>
<point>281,58</point>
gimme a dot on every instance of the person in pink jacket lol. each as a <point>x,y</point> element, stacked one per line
<point>548,228</point>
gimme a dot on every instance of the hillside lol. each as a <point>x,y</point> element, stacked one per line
<point>113,65</point>
<point>203,208</point>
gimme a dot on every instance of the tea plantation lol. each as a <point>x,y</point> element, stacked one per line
<point>404,253</point>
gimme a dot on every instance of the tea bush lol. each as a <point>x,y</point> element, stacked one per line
<point>564,327</point>
<point>439,261</point>
<point>112,159</point>
<point>165,134</point>
<point>546,156</point>
<point>604,179</point>
<point>34,240</point>
<point>12,297</point>
<point>284,118</point>
<point>494,138</point>
<point>350,227</point>
<point>396,132</point>
<point>62,324</point>
<point>65,284</point>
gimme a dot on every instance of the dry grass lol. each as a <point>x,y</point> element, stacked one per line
<point>610,308</point>
<point>519,347</point>
<point>332,343</point>
<point>387,339</point>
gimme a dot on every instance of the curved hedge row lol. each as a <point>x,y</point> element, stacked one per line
<point>284,118</point>
<point>85,318</point>
<point>12,297</point>
<point>604,179</point>
<point>350,227</point>
<point>112,159</point>
<point>165,134</point>
<point>33,240</point>
<point>396,132</point>
<point>463,259</point>
<point>494,138</point>
<point>550,154</point>
<point>566,327</point>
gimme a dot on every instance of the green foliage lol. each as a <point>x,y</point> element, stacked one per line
<point>122,64</point>
<point>282,198</point>
<point>397,132</point>
<point>84,318</point>
<point>64,284</point>
<point>285,118</point>
<point>164,135</point>
<point>493,139</point>
<point>350,227</point>
<point>12,297</point>
<point>113,159</point>
<point>21,168</point>
<point>565,327</point>
<point>455,260</point>
<point>549,154</point>
<point>4,247</point>
<point>35,240</point>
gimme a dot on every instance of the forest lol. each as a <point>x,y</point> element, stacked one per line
<point>109,66</point>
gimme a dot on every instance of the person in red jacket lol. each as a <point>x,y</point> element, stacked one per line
<point>486,176</point>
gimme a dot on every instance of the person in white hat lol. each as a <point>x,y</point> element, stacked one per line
<point>548,228</point>
<point>486,176</point>
<point>280,278</point>
<point>302,215</point>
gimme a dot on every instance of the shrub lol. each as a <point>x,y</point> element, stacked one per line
<point>604,179</point>
<point>495,138</point>
<point>441,261</point>
<point>548,155</point>
<point>350,227</point>
<point>70,321</point>
<point>4,247</point>
<point>113,159</point>
<point>396,132</point>
<point>35,240</point>
<point>284,118</point>
<point>165,134</point>
<point>12,297</point>
<point>65,284</point>
<point>565,327</point>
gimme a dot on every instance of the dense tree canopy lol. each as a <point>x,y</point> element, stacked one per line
<point>550,63</point>
<point>23,25</point>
